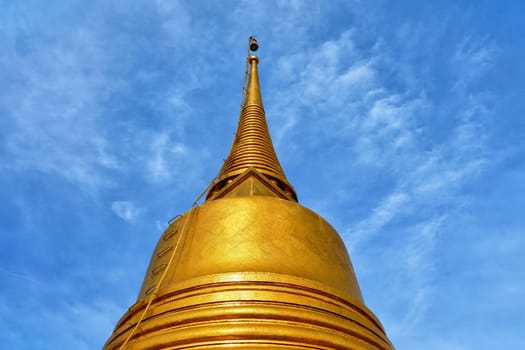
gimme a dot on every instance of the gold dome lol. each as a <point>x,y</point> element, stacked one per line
<point>250,268</point>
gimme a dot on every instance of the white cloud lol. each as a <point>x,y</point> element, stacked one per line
<point>473,57</point>
<point>341,92</point>
<point>169,160</point>
<point>125,210</point>
<point>82,322</point>
<point>419,255</point>
<point>388,133</point>
<point>53,110</point>
<point>389,207</point>
<point>175,19</point>
<point>328,81</point>
<point>157,165</point>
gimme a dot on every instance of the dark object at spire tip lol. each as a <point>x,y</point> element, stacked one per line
<point>254,46</point>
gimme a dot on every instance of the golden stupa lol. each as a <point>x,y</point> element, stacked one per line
<point>250,267</point>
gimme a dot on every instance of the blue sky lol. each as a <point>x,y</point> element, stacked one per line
<point>400,122</point>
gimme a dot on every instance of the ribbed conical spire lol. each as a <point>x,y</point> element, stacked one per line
<point>252,146</point>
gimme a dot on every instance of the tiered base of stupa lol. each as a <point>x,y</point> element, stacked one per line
<point>250,311</point>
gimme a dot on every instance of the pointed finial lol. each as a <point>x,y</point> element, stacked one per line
<point>253,94</point>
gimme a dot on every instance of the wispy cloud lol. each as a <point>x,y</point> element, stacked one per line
<point>473,56</point>
<point>125,210</point>
<point>419,259</point>
<point>341,90</point>
<point>53,107</point>
<point>61,116</point>
<point>331,83</point>
<point>390,207</point>
<point>55,311</point>
<point>170,161</point>
<point>386,120</point>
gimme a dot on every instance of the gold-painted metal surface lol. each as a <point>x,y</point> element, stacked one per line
<point>251,183</point>
<point>250,268</point>
<point>253,234</point>
<point>252,146</point>
<point>254,310</point>
<point>253,271</point>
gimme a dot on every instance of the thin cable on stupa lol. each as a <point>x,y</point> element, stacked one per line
<point>154,294</point>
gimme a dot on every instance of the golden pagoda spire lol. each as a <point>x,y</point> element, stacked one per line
<point>252,147</point>
<point>250,268</point>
